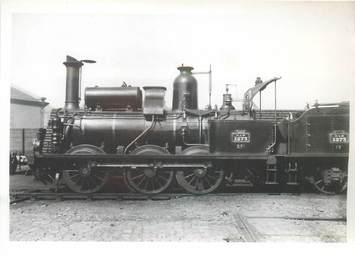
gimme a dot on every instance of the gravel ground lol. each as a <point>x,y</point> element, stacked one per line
<point>230,218</point>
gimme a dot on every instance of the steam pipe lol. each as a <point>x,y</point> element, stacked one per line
<point>140,135</point>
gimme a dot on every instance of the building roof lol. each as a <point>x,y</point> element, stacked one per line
<point>19,96</point>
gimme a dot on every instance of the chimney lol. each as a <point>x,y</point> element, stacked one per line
<point>72,95</point>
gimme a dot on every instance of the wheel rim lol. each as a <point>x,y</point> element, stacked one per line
<point>149,181</point>
<point>199,181</point>
<point>81,178</point>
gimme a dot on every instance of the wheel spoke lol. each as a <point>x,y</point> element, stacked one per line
<point>192,179</point>
<point>159,182</point>
<point>152,181</point>
<point>76,178</point>
<point>88,181</point>
<point>189,175</point>
<point>196,185</point>
<point>138,176</point>
<point>162,178</point>
<point>206,180</point>
<point>83,184</point>
<point>97,178</point>
<point>93,180</point>
<point>50,177</point>
<point>318,181</point>
<point>199,184</point>
<point>146,183</point>
<point>141,181</point>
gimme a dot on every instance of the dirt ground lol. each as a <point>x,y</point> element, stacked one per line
<point>229,218</point>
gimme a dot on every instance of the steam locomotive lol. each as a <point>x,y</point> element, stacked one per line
<point>120,133</point>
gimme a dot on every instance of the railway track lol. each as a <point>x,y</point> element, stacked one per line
<point>247,231</point>
<point>302,218</point>
<point>23,196</point>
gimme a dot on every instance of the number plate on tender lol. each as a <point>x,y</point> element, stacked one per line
<point>339,137</point>
<point>240,136</point>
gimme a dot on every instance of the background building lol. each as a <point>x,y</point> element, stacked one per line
<point>27,114</point>
<point>27,111</point>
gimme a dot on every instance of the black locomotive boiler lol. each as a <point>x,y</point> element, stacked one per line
<point>119,132</point>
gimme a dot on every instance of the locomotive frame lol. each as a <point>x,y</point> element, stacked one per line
<point>151,148</point>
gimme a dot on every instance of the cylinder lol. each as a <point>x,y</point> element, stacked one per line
<point>185,90</point>
<point>72,95</point>
<point>113,98</point>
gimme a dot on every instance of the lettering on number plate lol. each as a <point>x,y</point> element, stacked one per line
<point>339,137</point>
<point>240,136</point>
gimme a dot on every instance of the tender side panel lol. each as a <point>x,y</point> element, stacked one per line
<point>323,130</point>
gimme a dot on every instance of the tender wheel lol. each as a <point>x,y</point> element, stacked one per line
<point>199,181</point>
<point>149,180</point>
<point>82,177</point>
<point>331,181</point>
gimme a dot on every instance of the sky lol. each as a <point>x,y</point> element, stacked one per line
<point>311,46</point>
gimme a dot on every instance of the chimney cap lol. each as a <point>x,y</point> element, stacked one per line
<point>185,68</point>
<point>71,61</point>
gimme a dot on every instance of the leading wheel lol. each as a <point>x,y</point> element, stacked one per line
<point>81,177</point>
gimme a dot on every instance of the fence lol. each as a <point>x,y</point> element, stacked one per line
<point>21,140</point>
